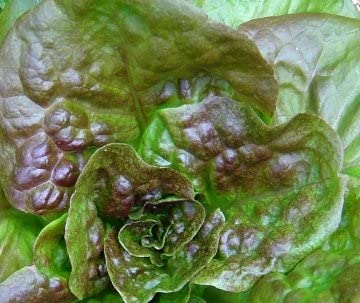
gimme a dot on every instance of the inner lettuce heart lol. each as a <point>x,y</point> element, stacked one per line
<point>142,222</point>
<point>78,75</point>
<point>279,188</point>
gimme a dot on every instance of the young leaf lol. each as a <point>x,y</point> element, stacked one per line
<point>138,280</point>
<point>84,235</point>
<point>164,227</point>
<point>114,185</point>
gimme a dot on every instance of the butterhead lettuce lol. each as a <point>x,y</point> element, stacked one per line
<point>179,151</point>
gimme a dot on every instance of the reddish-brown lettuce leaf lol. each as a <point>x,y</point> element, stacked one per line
<point>79,75</point>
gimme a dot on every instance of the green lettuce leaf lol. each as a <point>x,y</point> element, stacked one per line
<point>96,72</point>
<point>278,187</point>
<point>105,297</point>
<point>50,255</point>
<point>10,11</point>
<point>181,296</point>
<point>317,63</point>
<point>235,12</point>
<point>18,232</point>
<point>330,274</point>
<point>2,4</point>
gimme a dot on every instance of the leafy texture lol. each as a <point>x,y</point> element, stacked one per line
<point>229,153</point>
<point>2,5</point>
<point>330,274</point>
<point>281,197</point>
<point>160,245</point>
<point>76,76</point>
<point>50,255</point>
<point>46,280</point>
<point>181,296</point>
<point>235,12</point>
<point>317,63</point>
<point>18,232</point>
<point>12,9</point>
<point>137,279</point>
<point>229,209</point>
<point>30,286</point>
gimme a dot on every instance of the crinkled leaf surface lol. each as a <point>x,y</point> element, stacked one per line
<point>84,235</point>
<point>46,280</point>
<point>162,229</point>
<point>230,154</point>
<point>18,232</point>
<point>13,9</point>
<point>31,286</point>
<point>138,280</point>
<point>330,274</point>
<point>317,64</point>
<point>76,76</point>
<point>116,183</point>
<point>235,12</point>
<point>272,234</point>
<point>272,183</point>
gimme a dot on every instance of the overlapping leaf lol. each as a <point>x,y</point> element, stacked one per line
<point>317,63</point>
<point>18,232</point>
<point>278,187</point>
<point>159,226</point>
<point>10,10</point>
<point>95,72</point>
<point>330,274</point>
<point>138,279</point>
<point>235,12</point>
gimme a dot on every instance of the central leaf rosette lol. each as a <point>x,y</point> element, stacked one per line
<point>140,224</point>
<point>161,228</point>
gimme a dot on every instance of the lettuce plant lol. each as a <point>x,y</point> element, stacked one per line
<point>170,151</point>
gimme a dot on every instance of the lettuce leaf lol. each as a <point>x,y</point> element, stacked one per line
<point>10,10</point>
<point>18,232</point>
<point>317,63</point>
<point>237,194</point>
<point>30,285</point>
<point>140,219</point>
<point>234,13</point>
<point>61,97</point>
<point>330,274</point>
<point>278,187</point>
